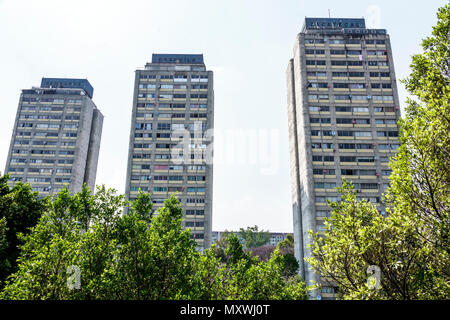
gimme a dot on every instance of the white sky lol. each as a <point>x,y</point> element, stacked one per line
<point>247,43</point>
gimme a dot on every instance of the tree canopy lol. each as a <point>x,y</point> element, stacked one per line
<point>84,247</point>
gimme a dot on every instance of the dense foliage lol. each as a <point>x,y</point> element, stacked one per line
<point>253,237</point>
<point>20,209</point>
<point>84,247</point>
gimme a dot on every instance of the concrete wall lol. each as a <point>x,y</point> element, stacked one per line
<point>94,149</point>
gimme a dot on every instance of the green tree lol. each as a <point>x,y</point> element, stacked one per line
<point>248,278</point>
<point>410,246</point>
<point>286,248</point>
<point>357,237</point>
<point>4,262</point>
<point>420,186</point>
<point>253,237</point>
<point>20,208</point>
<point>84,247</point>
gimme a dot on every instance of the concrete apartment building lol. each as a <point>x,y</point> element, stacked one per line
<point>343,109</point>
<point>173,109</point>
<point>56,137</point>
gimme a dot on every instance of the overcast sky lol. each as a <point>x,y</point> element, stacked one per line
<point>247,43</point>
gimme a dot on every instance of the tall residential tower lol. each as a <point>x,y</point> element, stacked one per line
<point>56,137</point>
<point>343,109</point>
<point>170,139</point>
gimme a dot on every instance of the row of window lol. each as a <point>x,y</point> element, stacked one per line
<point>352,159</point>
<point>53,100</point>
<point>171,168</point>
<point>41,170</point>
<point>171,105</point>
<point>164,156</point>
<point>193,224</point>
<point>168,145</point>
<point>42,180</point>
<point>46,134</point>
<point>344,52</point>
<point>325,85</point>
<point>352,74</point>
<point>358,146</point>
<point>191,212</point>
<point>172,86</point>
<point>194,77</point>
<point>44,143</point>
<point>171,115</point>
<point>179,189</point>
<point>172,126</point>
<point>340,97</point>
<point>346,41</point>
<point>173,96</point>
<point>352,109</point>
<point>37,152</point>
<point>350,62</point>
<point>352,121</point>
<point>347,133</point>
<point>44,161</point>
<point>47,125</point>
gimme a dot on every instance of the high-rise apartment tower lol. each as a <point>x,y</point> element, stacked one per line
<point>170,140</point>
<point>56,137</point>
<point>343,109</point>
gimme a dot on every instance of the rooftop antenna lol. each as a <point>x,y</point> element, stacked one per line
<point>329,13</point>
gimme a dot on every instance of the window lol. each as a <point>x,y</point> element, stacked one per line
<point>354,63</point>
<point>356,74</point>
<point>163,135</point>
<point>357,85</point>
<point>358,98</point>
<point>367,172</point>
<point>345,133</point>
<point>349,172</point>
<point>340,85</point>
<point>364,146</point>
<point>363,134</point>
<point>340,74</point>
<point>343,109</point>
<point>143,126</point>
<point>163,126</point>
<point>360,109</point>
<point>369,186</point>
<point>347,146</point>
<point>319,109</point>
<point>317,85</point>
<point>337,41</point>
<point>338,62</point>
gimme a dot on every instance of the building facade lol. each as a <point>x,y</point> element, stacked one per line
<point>56,137</point>
<point>343,109</point>
<point>170,149</point>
